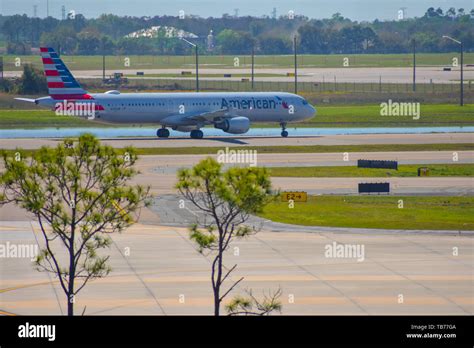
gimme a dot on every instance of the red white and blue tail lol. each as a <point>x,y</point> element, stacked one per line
<point>61,84</point>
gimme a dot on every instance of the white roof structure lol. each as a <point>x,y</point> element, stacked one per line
<point>169,32</point>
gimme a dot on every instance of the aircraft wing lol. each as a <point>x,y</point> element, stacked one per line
<point>26,100</point>
<point>209,117</point>
<point>204,118</point>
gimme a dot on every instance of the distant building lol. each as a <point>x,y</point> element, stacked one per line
<point>274,13</point>
<point>402,12</point>
<point>169,32</point>
<point>210,41</point>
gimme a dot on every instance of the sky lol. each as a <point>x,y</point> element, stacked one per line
<point>360,10</point>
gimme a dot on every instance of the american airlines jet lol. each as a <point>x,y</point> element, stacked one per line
<point>186,112</point>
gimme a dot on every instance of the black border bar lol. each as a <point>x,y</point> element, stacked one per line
<point>136,331</point>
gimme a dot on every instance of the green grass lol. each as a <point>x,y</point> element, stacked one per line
<point>425,213</point>
<point>187,62</point>
<point>298,149</point>
<point>369,116</point>
<point>404,170</point>
<point>10,119</point>
<point>327,116</point>
<point>311,149</point>
<point>345,92</point>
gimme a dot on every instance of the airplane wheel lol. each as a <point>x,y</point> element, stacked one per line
<point>284,134</point>
<point>197,134</point>
<point>163,133</point>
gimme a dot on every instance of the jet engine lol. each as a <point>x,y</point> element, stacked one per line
<point>234,125</point>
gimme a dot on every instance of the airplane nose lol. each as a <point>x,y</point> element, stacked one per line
<point>311,111</point>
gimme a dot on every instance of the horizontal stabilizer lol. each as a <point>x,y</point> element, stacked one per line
<point>26,100</point>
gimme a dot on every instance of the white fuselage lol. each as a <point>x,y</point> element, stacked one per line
<point>172,108</point>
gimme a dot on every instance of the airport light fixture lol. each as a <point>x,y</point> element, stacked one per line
<point>197,61</point>
<point>103,61</point>
<point>461,96</point>
<point>253,65</point>
<point>414,65</point>
<point>296,64</point>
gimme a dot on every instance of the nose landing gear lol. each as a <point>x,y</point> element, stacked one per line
<point>284,133</point>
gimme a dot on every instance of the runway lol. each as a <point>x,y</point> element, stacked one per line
<point>159,172</point>
<point>227,141</point>
<point>349,74</point>
<point>163,274</point>
<point>168,164</point>
<point>213,133</point>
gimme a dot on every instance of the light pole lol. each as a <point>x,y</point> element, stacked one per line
<point>461,97</point>
<point>296,64</point>
<point>253,66</point>
<point>197,61</point>
<point>103,61</point>
<point>414,65</point>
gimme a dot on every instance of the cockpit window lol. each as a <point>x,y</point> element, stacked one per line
<point>305,102</point>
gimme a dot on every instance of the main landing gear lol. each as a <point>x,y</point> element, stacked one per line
<point>284,133</point>
<point>197,134</point>
<point>163,133</point>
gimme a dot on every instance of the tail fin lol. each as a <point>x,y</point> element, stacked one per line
<point>61,84</point>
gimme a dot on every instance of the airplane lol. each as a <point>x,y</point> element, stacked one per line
<point>232,112</point>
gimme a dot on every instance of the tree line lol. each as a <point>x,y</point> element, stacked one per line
<point>107,34</point>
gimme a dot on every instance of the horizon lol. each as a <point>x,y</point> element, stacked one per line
<point>355,10</point>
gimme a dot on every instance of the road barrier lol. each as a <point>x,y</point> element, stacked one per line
<point>382,187</point>
<point>377,164</point>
